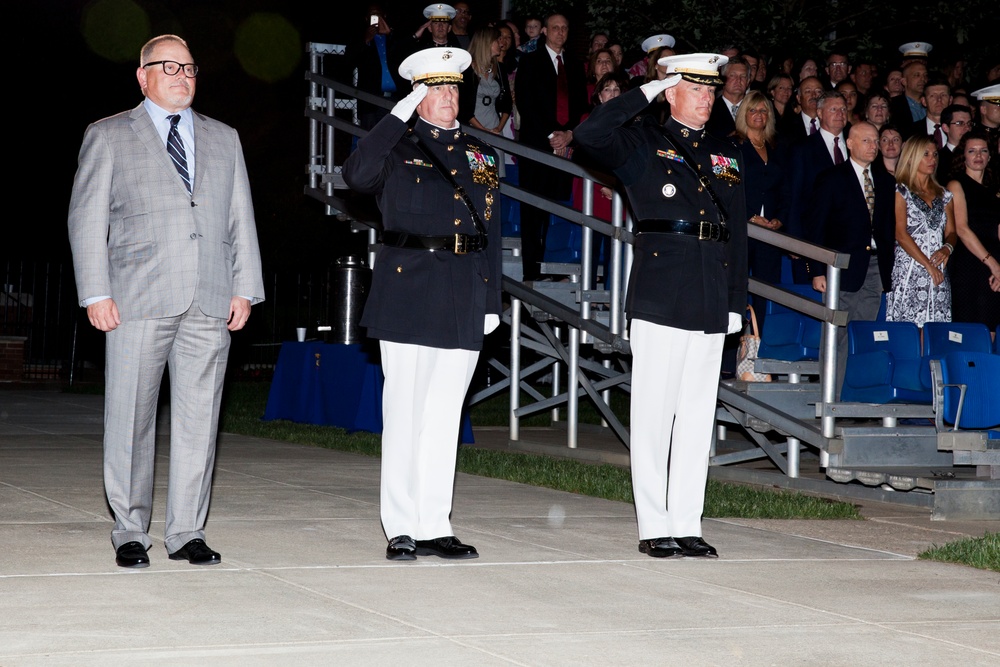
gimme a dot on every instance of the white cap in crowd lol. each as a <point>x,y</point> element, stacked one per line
<point>439,12</point>
<point>656,41</point>
<point>915,49</point>
<point>988,94</point>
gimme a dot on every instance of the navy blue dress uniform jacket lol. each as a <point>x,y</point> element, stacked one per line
<point>676,281</point>
<point>418,296</point>
<point>839,220</point>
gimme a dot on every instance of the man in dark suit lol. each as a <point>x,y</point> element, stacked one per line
<point>687,289</point>
<point>807,159</point>
<point>551,93</point>
<point>937,96</point>
<point>793,128</point>
<point>956,122</point>
<point>736,75</point>
<point>167,264</point>
<point>435,293</point>
<point>852,210</point>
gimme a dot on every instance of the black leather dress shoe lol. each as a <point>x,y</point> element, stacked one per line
<point>661,547</point>
<point>401,547</point>
<point>446,547</point>
<point>197,552</point>
<point>696,547</point>
<point>131,554</point>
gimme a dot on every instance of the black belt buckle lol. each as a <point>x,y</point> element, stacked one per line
<point>461,244</point>
<point>712,234</point>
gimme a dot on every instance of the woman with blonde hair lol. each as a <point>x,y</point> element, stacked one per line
<point>925,238</point>
<point>763,178</point>
<point>484,100</point>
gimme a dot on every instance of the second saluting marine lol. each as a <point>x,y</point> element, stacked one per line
<point>435,293</point>
<point>687,288</point>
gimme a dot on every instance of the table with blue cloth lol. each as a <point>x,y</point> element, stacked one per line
<point>332,385</point>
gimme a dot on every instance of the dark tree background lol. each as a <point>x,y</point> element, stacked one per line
<point>74,61</point>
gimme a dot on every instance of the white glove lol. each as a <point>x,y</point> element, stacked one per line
<point>406,106</point>
<point>654,88</point>
<point>735,323</point>
<point>492,322</point>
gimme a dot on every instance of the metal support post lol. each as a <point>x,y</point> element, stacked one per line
<point>515,366</point>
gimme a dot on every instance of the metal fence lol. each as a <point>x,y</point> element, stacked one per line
<point>39,303</point>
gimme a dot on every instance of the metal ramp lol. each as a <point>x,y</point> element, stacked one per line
<point>789,433</point>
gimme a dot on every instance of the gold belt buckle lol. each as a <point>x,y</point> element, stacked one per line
<point>460,244</point>
<point>702,234</point>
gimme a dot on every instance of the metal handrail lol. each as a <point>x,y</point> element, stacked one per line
<point>580,322</point>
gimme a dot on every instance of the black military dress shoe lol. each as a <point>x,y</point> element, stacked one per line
<point>696,547</point>
<point>661,547</point>
<point>401,547</point>
<point>131,554</point>
<point>197,552</point>
<point>446,547</point>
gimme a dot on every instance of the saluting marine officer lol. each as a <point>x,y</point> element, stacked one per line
<point>687,288</point>
<point>435,293</point>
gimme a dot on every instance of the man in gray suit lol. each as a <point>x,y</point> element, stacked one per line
<point>167,264</point>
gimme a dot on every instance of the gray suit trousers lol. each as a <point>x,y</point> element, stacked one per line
<point>195,348</point>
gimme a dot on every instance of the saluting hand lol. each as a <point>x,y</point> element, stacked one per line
<point>653,88</point>
<point>406,106</point>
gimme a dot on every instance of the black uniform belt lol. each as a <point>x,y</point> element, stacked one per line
<point>703,230</point>
<point>459,244</point>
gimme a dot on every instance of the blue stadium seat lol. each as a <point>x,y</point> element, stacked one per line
<point>979,374</point>
<point>510,209</point>
<point>789,335</point>
<point>562,243</point>
<point>883,364</point>
<point>940,338</point>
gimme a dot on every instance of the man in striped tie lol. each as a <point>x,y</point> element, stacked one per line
<point>852,210</point>
<point>167,264</point>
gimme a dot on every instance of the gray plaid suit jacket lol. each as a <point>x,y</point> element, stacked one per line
<point>139,237</point>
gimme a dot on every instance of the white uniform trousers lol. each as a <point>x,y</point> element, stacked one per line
<point>196,349</point>
<point>675,383</point>
<point>422,403</point>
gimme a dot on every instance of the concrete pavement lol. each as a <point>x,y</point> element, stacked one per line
<point>304,580</point>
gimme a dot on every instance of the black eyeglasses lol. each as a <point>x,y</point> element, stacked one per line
<point>171,68</point>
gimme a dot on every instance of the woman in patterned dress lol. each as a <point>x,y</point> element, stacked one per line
<point>925,238</point>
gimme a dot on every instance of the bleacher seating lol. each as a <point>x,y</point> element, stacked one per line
<point>789,335</point>
<point>979,374</point>
<point>883,364</point>
<point>940,338</point>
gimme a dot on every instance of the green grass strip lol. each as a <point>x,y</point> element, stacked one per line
<point>244,404</point>
<point>981,552</point>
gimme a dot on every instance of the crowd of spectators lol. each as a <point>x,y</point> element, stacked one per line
<point>936,127</point>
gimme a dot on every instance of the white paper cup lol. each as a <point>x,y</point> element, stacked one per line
<point>300,334</point>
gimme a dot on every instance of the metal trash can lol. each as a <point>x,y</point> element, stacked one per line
<point>349,284</point>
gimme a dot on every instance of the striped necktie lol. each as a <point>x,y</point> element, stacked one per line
<point>175,149</point>
<point>869,192</point>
